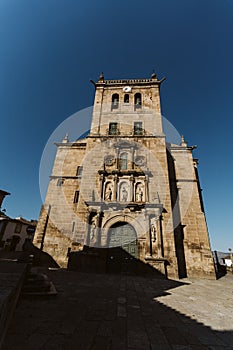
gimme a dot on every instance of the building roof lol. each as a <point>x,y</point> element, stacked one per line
<point>25,221</point>
<point>220,256</point>
<point>152,80</point>
<point>4,193</point>
<point>227,257</point>
<point>17,220</point>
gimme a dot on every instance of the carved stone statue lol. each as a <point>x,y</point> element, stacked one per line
<point>94,222</point>
<point>139,194</point>
<point>124,194</point>
<point>108,194</point>
<point>153,231</point>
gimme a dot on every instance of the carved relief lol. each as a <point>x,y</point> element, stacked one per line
<point>109,160</point>
<point>140,160</point>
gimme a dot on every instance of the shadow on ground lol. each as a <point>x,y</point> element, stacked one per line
<point>109,312</point>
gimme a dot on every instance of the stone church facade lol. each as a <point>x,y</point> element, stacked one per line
<point>125,187</point>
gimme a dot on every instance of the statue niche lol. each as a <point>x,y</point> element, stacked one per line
<point>108,192</point>
<point>139,192</point>
<point>124,192</point>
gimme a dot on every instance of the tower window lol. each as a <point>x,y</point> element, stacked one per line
<point>138,128</point>
<point>76,196</point>
<point>18,228</point>
<point>126,98</point>
<point>115,101</point>
<point>123,164</point>
<point>138,100</point>
<point>113,129</point>
<point>79,171</point>
<point>60,182</point>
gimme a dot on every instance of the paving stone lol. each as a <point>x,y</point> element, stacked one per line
<point>156,346</point>
<point>121,311</point>
<point>90,314</point>
<point>101,343</point>
<point>121,300</point>
<point>68,327</point>
<point>118,344</point>
<point>105,329</point>
<point>174,336</point>
<point>36,341</point>
<point>138,339</point>
<point>120,328</point>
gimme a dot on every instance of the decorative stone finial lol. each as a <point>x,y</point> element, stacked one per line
<point>183,142</point>
<point>66,138</point>
<point>153,75</point>
<point>101,77</point>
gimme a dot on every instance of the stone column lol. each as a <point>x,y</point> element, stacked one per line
<point>87,235</point>
<point>148,236</point>
<point>117,158</point>
<point>101,183</point>
<point>146,188</point>
<point>114,195</point>
<point>130,160</point>
<point>97,238</point>
<point>133,151</point>
<point>159,236</point>
<point>131,194</point>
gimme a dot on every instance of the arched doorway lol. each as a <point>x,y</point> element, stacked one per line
<point>123,248</point>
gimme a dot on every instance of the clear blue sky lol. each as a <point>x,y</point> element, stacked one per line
<point>51,48</point>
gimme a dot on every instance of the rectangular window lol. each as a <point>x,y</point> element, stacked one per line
<point>76,196</point>
<point>68,252</point>
<point>79,171</point>
<point>138,128</point>
<point>113,129</point>
<point>73,226</point>
<point>18,228</point>
<point>123,161</point>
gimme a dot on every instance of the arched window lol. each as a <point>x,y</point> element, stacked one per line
<point>115,101</point>
<point>138,100</point>
<point>126,98</point>
<point>123,163</point>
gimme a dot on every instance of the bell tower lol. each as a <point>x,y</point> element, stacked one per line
<point>127,142</point>
<point>130,105</point>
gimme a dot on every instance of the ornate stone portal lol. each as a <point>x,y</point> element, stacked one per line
<point>124,188</point>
